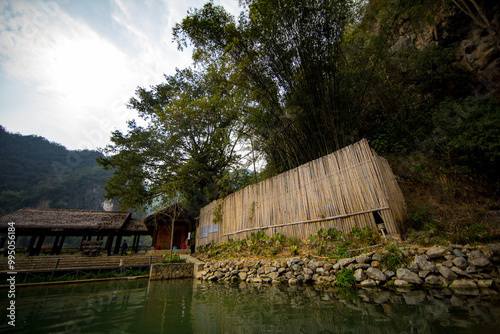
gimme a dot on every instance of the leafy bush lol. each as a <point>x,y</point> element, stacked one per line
<point>322,233</point>
<point>293,241</point>
<point>278,238</point>
<point>174,259</point>
<point>274,251</point>
<point>467,134</point>
<point>334,234</point>
<point>320,250</point>
<point>345,278</point>
<point>341,250</point>
<point>394,259</point>
<point>420,217</point>
<point>365,236</point>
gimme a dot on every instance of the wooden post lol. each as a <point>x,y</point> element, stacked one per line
<point>109,242</point>
<point>83,239</point>
<point>137,243</point>
<point>117,244</point>
<point>39,244</point>
<point>30,250</point>
<point>61,243</point>
<point>54,245</point>
<point>155,234</point>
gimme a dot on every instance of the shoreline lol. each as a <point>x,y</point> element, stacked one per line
<point>415,267</point>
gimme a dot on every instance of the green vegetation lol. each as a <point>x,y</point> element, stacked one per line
<point>290,81</point>
<point>320,244</point>
<point>366,236</point>
<point>345,278</point>
<point>175,258</point>
<point>37,173</point>
<point>394,258</point>
<point>421,217</point>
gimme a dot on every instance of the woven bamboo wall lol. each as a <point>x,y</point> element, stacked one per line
<point>340,190</point>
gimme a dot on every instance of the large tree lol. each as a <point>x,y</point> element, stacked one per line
<point>189,142</point>
<point>288,55</point>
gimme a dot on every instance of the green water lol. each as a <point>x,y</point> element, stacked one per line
<point>190,306</point>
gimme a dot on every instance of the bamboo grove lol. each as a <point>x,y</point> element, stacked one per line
<point>290,81</point>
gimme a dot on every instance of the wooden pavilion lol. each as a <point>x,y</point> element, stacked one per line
<point>62,223</point>
<point>159,226</point>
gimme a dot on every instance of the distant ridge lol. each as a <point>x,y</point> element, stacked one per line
<point>40,174</point>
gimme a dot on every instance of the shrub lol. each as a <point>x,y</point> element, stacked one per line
<point>320,249</point>
<point>293,241</point>
<point>334,234</point>
<point>341,250</point>
<point>366,235</point>
<point>278,238</point>
<point>394,259</point>
<point>322,233</point>
<point>174,259</point>
<point>420,217</point>
<point>345,278</point>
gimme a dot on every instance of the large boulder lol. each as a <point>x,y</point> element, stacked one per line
<point>359,275</point>
<point>460,262</point>
<point>436,251</point>
<point>408,276</point>
<point>424,265</point>
<point>375,274</point>
<point>344,262</point>
<point>447,273</point>
<point>477,259</point>
<point>363,258</point>
<point>463,283</point>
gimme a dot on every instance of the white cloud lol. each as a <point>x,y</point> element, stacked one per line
<point>77,78</point>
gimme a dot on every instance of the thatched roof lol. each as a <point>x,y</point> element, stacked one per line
<point>134,226</point>
<point>29,219</point>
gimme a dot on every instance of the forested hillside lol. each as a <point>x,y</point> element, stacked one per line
<point>37,173</point>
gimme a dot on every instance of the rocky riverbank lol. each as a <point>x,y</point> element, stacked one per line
<point>454,266</point>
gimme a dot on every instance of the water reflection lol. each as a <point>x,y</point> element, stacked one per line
<point>187,306</point>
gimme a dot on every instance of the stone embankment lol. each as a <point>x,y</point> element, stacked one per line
<point>453,266</point>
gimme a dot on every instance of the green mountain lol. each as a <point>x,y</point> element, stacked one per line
<point>37,173</point>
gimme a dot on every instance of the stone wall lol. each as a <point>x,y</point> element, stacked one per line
<point>453,266</point>
<point>161,271</point>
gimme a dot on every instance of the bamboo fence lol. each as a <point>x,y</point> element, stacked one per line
<point>341,190</point>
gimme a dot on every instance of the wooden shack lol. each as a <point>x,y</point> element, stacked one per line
<point>159,226</point>
<point>350,187</point>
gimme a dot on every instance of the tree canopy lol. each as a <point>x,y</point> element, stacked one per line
<point>293,80</point>
<point>188,145</point>
<point>288,57</point>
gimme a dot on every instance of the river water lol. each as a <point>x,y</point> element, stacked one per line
<point>191,306</point>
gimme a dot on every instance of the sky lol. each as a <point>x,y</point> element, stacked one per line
<point>69,67</point>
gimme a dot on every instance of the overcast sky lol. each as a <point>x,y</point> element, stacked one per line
<point>68,67</point>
